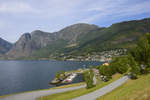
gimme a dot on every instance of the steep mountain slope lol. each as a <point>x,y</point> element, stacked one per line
<point>29,43</point>
<point>72,33</point>
<point>4,46</point>
<point>79,39</point>
<point>119,35</point>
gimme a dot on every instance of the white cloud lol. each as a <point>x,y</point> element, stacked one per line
<point>52,15</point>
<point>111,9</point>
<point>16,7</point>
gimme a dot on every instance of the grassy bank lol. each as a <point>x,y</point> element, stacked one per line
<point>1,96</point>
<point>75,93</point>
<point>59,87</point>
<point>69,85</point>
<point>132,90</point>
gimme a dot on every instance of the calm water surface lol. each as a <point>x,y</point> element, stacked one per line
<point>19,76</point>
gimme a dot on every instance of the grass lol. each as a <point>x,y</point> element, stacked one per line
<point>1,96</point>
<point>70,85</point>
<point>60,87</point>
<point>75,93</point>
<point>131,90</point>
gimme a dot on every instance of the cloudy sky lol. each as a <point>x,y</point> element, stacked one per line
<point>20,16</point>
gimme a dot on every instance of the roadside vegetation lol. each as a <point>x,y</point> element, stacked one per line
<point>75,93</point>
<point>0,96</point>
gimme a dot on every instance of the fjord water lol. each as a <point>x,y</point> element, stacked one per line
<point>20,76</point>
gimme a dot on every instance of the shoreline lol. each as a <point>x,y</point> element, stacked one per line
<point>53,88</point>
<point>48,60</point>
<point>57,87</point>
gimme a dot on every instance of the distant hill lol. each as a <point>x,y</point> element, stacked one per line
<point>78,39</point>
<point>5,46</point>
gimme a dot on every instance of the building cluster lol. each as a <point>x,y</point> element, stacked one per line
<point>96,56</point>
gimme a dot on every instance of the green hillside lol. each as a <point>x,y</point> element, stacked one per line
<point>119,35</point>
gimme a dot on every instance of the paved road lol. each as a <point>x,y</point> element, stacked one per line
<point>91,96</point>
<point>35,94</point>
<point>102,91</point>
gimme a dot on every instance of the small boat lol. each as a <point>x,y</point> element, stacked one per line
<point>69,78</point>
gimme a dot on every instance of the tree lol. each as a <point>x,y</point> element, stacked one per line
<point>88,77</point>
<point>134,67</point>
<point>57,75</point>
<point>63,73</point>
<point>141,53</point>
<point>119,65</point>
<point>148,37</point>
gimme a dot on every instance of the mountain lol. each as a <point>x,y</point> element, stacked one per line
<point>79,39</point>
<point>119,35</point>
<point>71,33</point>
<point>31,42</point>
<point>5,46</point>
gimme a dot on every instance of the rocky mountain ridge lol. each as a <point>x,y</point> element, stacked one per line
<point>30,42</point>
<point>5,46</point>
<point>78,39</point>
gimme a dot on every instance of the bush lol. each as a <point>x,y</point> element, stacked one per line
<point>133,76</point>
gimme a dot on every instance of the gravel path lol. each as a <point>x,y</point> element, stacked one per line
<point>35,94</point>
<point>102,91</point>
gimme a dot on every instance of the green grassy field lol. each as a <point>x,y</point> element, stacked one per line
<point>132,90</point>
<point>75,93</point>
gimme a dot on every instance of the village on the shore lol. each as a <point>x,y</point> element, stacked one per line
<point>95,56</point>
